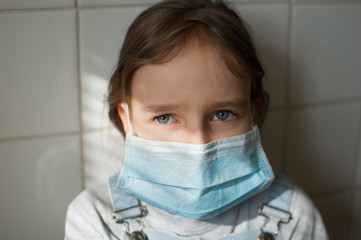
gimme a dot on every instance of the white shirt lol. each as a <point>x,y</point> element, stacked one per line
<point>89,217</point>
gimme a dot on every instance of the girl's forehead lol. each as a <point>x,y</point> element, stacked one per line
<point>199,70</point>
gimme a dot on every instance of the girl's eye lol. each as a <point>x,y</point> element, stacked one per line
<point>223,115</point>
<point>164,119</point>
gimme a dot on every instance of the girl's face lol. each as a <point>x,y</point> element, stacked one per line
<point>192,98</point>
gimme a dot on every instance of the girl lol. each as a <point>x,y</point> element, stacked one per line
<point>187,94</point>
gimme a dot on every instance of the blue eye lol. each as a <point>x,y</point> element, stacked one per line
<point>223,115</point>
<point>164,119</point>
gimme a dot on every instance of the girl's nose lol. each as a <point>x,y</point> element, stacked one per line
<point>198,136</point>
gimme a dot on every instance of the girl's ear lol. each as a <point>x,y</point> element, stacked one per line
<point>122,111</point>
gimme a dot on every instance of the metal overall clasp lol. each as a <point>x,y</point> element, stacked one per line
<point>271,212</point>
<point>134,212</point>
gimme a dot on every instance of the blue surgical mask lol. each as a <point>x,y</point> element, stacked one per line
<point>196,181</point>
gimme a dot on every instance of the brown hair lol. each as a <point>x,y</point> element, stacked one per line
<point>160,32</point>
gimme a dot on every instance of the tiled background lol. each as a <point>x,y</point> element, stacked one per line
<point>56,57</point>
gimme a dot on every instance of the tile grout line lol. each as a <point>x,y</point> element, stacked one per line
<point>332,193</point>
<point>114,6</point>
<point>358,151</point>
<point>80,103</point>
<point>355,192</point>
<point>28,138</point>
<point>110,7</point>
<point>76,8</point>
<point>326,103</point>
<point>323,3</point>
<point>287,87</point>
<point>315,105</point>
<point>37,10</point>
<point>54,135</point>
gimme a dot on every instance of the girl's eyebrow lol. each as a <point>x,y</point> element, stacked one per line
<point>160,108</point>
<point>238,102</point>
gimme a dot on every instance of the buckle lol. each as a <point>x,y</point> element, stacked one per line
<point>135,211</point>
<point>271,212</point>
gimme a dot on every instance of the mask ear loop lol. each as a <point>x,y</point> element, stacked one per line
<point>128,119</point>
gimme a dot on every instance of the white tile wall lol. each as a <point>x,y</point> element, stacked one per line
<point>325,1</point>
<point>322,145</point>
<point>337,212</point>
<point>358,163</point>
<point>273,138</point>
<point>114,2</point>
<point>257,1</point>
<point>102,34</point>
<point>103,155</point>
<point>138,2</point>
<point>34,4</point>
<point>356,227</point>
<point>311,52</point>
<point>325,53</point>
<point>269,24</point>
<point>38,179</point>
<point>38,72</point>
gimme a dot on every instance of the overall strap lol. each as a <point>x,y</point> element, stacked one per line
<point>124,206</point>
<point>277,208</point>
<point>280,192</point>
<point>274,205</point>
